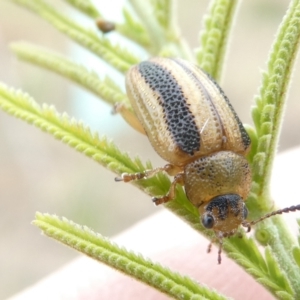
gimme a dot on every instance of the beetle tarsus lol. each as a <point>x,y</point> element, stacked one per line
<point>161,200</point>
<point>126,177</point>
<point>117,179</point>
<point>209,247</point>
<point>220,250</point>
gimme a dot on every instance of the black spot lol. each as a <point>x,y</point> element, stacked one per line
<point>179,118</point>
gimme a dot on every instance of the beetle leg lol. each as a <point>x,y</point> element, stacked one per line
<point>126,177</point>
<point>178,179</point>
<point>129,116</point>
<point>220,242</point>
<point>220,251</point>
<point>168,168</point>
<point>209,247</point>
<point>210,244</point>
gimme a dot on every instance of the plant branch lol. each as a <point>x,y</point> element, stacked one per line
<point>214,36</point>
<point>268,116</point>
<point>102,250</point>
<point>165,35</point>
<point>86,7</point>
<point>268,112</point>
<point>106,89</point>
<point>115,55</point>
<point>79,137</point>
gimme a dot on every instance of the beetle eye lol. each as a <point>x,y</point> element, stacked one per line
<point>208,221</point>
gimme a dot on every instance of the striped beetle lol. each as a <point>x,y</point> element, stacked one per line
<point>192,125</point>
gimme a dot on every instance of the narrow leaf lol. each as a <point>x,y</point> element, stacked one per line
<point>145,13</point>
<point>265,270</point>
<point>276,274</point>
<point>164,35</point>
<point>268,112</point>
<point>164,13</point>
<point>102,250</point>
<point>214,36</point>
<point>268,115</point>
<point>105,89</point>
<point>62,127</point>
<point>86,7</point>
<point>115,55</point>
<point>134,30</point>
<point>296,254</point>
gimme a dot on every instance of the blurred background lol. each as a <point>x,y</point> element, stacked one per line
<point>39,173</point>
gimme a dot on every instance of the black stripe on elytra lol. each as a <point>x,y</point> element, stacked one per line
<point>178,117</point>
<point>244,135</point>
<point>204,91</point>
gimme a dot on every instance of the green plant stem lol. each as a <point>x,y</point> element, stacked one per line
<point>268,116</point>
<point>168,41</point>
<point>268,112</point>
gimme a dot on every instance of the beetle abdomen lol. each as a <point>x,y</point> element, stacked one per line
<point>183,111</point>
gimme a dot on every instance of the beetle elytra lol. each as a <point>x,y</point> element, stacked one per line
<point>191,124</point>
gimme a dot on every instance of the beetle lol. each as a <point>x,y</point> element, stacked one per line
<point>191,124</point>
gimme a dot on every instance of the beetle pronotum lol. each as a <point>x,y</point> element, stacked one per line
<point>192,125</point>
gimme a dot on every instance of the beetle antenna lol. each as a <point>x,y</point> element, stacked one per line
<point>276,212</point>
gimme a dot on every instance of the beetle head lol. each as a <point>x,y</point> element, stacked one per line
<point>224,214</point>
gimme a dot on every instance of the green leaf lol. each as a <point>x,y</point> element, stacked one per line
<point>276,274</point>
<point>296,255</point>
<point>106,89</point>
<point>101,249</point>
<point>268,112</point>
<point>273,232</point>
<point>79,136</point>
<point>264,270</point>
<point>134,30</point>
<point>145,13</point>
<point>86,7</point>
<point>285,296</point>
<point>253,137</point>
<point>214,36</point>
<point>164,13</point>
<point>164,35</point>
<point>62,127</point>
<point>268,116</point>
<point>115,55</point>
